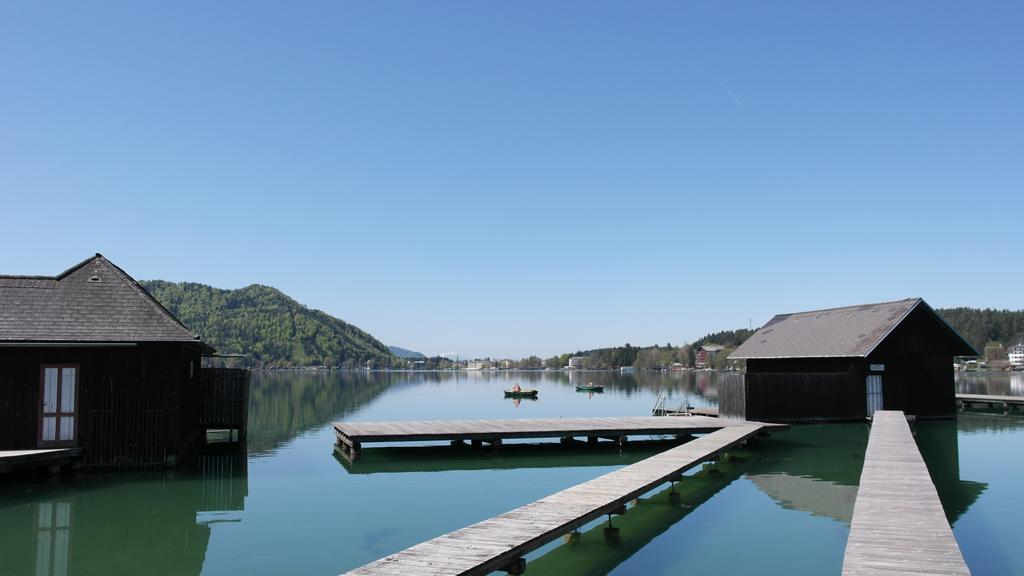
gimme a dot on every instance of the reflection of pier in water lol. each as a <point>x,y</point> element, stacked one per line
<point>803,473</point>
<point>120,524</point>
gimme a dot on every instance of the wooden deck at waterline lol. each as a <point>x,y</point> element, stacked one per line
<point>966,400</point>
<point>501,542</point>
<point>43,457</point>
<point>353,434</point>
<point>898,524</point>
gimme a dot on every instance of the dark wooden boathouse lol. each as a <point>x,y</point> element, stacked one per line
<point>89,359</point>
<point>845,363</point>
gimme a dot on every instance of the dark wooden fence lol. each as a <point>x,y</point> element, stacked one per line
<point>126,431</point>
<point>732,396</point>
<point>224,399</point>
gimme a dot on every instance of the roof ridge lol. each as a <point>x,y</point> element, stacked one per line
<point>804,312</point>
<point>81,264</point>
<point>134,284</point>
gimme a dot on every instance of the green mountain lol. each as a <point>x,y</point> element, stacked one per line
<point>270,328</point>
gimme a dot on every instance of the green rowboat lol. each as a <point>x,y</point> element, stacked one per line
<point>521,393</point>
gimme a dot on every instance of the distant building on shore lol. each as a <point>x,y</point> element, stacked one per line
<point>478,365</point>
<point>577,362</point>
<point>994,352</point>
<point>90,360</point>
<point>1016,355</point>
<point>706,353</point>
<point>846,363</point>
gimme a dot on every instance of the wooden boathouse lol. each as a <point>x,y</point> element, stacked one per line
<point>846,363</point>
<point>90,360</point>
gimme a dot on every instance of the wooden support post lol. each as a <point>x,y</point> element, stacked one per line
<point>518,566</point>
<point>566,440</point>
<point>672,494</point>
<point>458,443</point>
<point>592,439</point>
<point>712,465</point>
<point>610,530</point>
<point>477,443</point>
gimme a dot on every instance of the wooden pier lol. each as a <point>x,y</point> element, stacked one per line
<point>500,543</point>
<point>990,401</point>
<point>899,526</point>
<point>52,458</point>
<point>352,435</point>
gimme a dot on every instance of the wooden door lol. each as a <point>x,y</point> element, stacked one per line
<point>874,388</point>
<point>58,411</point>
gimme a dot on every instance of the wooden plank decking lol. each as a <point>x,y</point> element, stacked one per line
<point>990,399</point>
<point>898,525</point>
<point>501,542</point>
<point>12,458</point>
<point>353,434</point>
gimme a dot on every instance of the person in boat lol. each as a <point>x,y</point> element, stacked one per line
<point>516,387</point>
<point>590,384</point>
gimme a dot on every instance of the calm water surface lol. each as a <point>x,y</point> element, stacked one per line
<point>288,506</point>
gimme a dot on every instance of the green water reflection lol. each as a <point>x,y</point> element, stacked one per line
<point>287,505</point>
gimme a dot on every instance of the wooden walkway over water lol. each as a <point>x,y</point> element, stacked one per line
<point>898,525</point>
<point>51,457</point>
<point>990,400</point>
<point>501,542</point>
<point>351,435</point>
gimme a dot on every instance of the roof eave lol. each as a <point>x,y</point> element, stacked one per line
<point>731,357</point>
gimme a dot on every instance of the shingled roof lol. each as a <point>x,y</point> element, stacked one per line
<point>94,301</point>
<point>850,332</point>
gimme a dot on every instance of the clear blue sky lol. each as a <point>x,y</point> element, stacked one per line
<point>523,177</point>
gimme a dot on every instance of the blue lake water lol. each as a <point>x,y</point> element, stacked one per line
<point>287,505</point>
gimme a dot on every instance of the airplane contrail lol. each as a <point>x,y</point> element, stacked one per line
<point>731,95</point>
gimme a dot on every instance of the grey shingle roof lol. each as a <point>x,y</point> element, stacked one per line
<point>853,331</point>
<point>95,301</point>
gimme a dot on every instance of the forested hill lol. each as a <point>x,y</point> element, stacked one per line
<point>267,326</point>
<point>981,326</point>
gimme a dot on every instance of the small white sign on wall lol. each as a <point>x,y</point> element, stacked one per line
<point>878,367</point>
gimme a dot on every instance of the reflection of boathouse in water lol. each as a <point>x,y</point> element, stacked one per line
<point>118,526</point>
<point>804,472</point>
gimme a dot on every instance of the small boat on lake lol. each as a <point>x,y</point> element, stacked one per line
<point>521,393</point>
<point>589,387</point>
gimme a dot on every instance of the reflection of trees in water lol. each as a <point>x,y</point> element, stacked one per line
<point>993,383</point>
<point>283,405</point>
